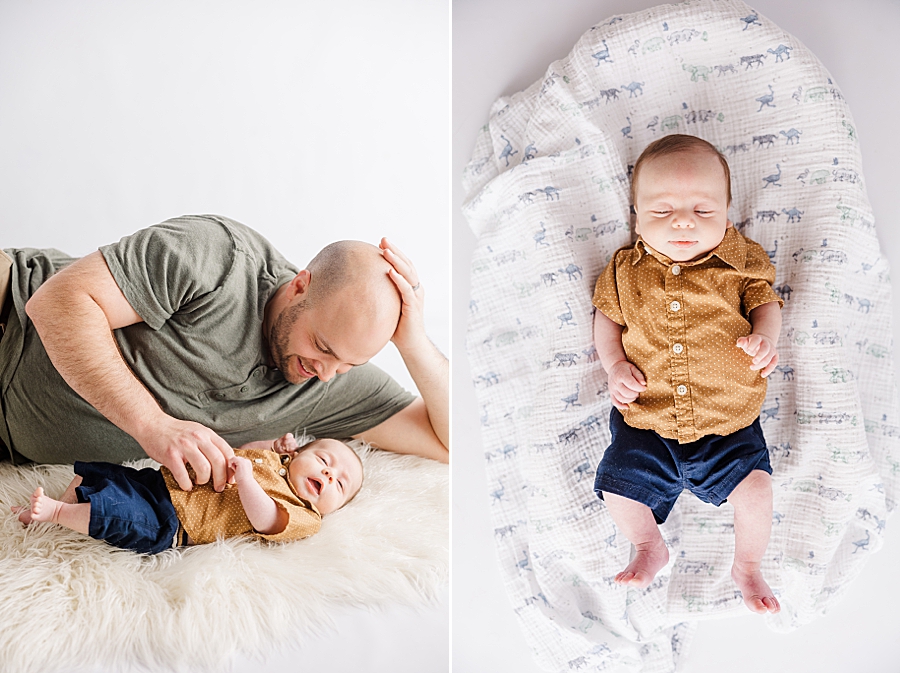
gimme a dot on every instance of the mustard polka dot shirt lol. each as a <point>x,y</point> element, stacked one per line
<point>681,321</point>
<point>206,515</point>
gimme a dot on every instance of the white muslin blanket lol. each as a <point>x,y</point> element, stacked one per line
<point>547,197</point>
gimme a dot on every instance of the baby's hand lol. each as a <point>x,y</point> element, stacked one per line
<point>286,444</point>
<point>762,350</point>
<point>626,382</point>
<point>242,468</point>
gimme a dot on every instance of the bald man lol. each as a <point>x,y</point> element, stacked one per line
<point>195,335</point>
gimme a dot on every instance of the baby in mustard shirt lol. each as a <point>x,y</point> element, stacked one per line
<point>280,493</point>
<point>686,328</point>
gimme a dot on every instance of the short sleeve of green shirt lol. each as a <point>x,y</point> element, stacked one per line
<point>163,268</point>
<point>356,401</point>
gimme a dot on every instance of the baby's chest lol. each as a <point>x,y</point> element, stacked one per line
<point>648,296</point>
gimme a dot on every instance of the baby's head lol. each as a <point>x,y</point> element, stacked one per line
<point>327,473</point>
<point>681,191</point>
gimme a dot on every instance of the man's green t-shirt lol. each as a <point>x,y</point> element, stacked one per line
<point>201,284</point>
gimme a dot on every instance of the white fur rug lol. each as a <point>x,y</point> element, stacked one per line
<point>67,598</point>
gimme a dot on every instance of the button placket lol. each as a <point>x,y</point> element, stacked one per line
<point>677,335</point>
<point>250,389</point>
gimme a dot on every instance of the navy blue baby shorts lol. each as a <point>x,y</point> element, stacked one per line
<point>130,508</point>
<point>642,466</point>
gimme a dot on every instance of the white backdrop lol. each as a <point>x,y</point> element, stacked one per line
<point>309,121</point>
<point>502,46</point>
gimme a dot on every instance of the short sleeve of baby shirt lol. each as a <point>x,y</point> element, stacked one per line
<point>759,276</point>
<point>302,522</point>
<point>606,292</point>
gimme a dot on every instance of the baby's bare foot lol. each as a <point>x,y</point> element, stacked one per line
<point>43,508</point>
<point>756,592</point>
<point>648,560</point>
<point>24,514</point>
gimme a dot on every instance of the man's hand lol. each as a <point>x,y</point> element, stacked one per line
<point>175,443</point>
<point>75,313</point>
<point>626,382</point>
<point>422,428</point>
<point>412,295</point>
<point>762,349</point>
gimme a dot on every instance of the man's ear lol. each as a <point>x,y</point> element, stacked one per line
<point>299,285</point>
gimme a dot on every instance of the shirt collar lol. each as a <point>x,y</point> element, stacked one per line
<point>732,250</point>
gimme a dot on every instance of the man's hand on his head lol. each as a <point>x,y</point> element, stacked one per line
<point>626,383</point>
<point>412,295</point>
<point>176,444</point>
<point>762,349</point>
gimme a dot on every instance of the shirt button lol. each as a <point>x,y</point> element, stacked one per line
<point>675,306</point>
<point>282,472</point>
<point>677,348</point>
<point>676,270</point>
<point>682,390</point>
<point>220,396</point>
<point>244,389</point>
<point>257,460</point>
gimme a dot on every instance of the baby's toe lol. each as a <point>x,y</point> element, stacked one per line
<point>756,604</point>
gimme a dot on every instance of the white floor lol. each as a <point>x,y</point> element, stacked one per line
<point>502,46</point>
<point>395,640</point>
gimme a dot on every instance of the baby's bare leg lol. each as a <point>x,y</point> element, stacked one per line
<point>636,521</point>
<point>752,500</point>
<point>69,496</point>
<point>74,516</point>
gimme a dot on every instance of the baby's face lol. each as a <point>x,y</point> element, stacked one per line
<point>327,473</point>
<point>682,204</point>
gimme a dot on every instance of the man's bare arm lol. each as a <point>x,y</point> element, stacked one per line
<point>422,428</point>
<point>75,312</point>
<point>408,431</point>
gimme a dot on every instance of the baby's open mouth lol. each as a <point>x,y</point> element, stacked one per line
<point>314,485</point>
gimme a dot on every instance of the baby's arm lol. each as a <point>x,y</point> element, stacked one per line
<point>264,514</point>
<point>626,381</point>
<point>760,345</point>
